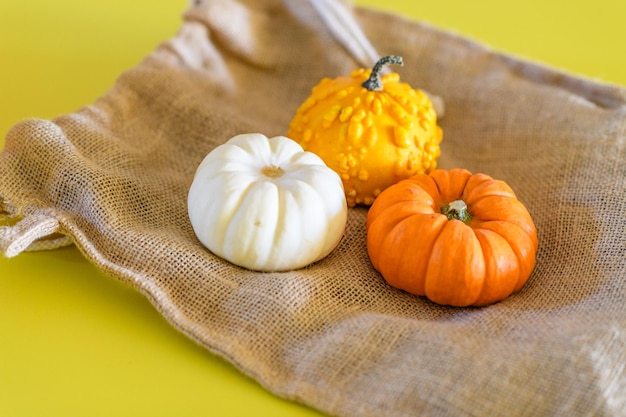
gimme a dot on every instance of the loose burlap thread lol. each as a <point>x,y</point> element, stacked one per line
<point>113,177</point>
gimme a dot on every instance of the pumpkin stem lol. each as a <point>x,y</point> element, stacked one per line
<point>456,210</point>
<point>373,83</point>
<point>272,171</point>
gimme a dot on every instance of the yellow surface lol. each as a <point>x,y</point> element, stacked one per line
<point>74,342</point>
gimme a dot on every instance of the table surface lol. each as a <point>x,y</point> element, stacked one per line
<point>75,342</point>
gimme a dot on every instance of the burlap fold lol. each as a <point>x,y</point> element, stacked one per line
<point>114,177</point>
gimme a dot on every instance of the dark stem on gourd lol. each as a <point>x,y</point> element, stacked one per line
<point>456,210</point>
<point>373,83</point>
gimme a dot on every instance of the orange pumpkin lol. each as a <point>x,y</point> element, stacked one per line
<point>372,129</point>
<point>458,239</point>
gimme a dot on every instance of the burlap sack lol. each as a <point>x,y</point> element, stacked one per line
<point>113,178</point>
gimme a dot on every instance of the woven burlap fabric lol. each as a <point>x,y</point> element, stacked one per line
<point>114,176</point>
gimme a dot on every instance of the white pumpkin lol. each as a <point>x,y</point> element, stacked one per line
<point>266,204</point>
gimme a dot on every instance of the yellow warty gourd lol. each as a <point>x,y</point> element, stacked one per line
<point>372,130</point>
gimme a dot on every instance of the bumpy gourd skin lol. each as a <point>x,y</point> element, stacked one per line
<point>372,139</point>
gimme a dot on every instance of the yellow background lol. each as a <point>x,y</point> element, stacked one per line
<point>73,341</point>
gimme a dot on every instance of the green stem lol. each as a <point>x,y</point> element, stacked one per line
<point>373,83</point>
<point>456,210</point>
